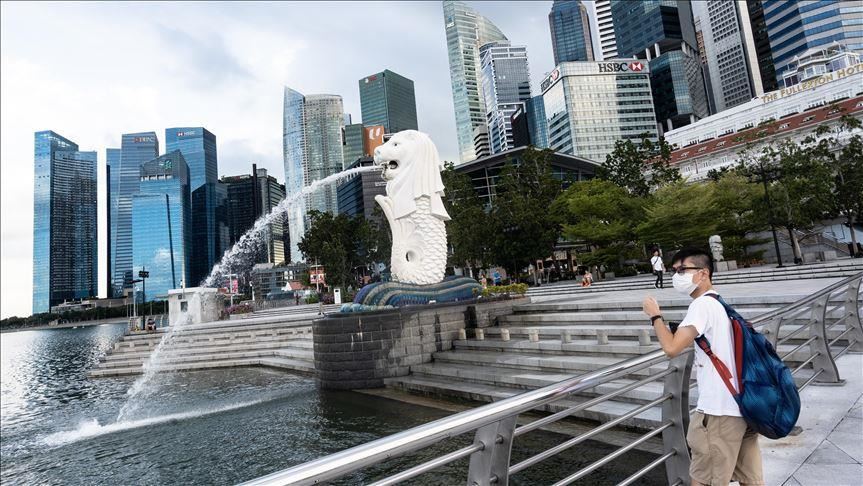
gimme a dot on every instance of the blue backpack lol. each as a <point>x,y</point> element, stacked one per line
<point>765,391</point>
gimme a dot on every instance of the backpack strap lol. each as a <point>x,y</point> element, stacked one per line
<point>723,370</point>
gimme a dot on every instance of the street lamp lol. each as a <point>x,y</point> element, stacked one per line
<point>144,274</point>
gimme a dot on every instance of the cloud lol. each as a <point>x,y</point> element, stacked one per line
<point>93,71</point>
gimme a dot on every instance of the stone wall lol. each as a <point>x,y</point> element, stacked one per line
<point>359,350</point>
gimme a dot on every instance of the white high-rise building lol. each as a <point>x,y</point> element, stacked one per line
<point>729,51</point>
<point>312,144</point>
<point>466,31</point>
<point>605,27</point>
<point>505,85</point>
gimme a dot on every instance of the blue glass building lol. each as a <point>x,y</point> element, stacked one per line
<point>570,31</point>
<point>112,159</point>
<point>161,225</point>
<point>136,150</point>
<point>65,226</point>
<point>662,32</point>
<point>209,224</point>
<point>795,27</point>
<point>536,126</point>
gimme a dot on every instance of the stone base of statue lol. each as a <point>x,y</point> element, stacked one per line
<point>725,266</point>
<point>388,295</point>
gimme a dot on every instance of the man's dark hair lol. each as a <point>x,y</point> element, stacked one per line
<point>700,257</point>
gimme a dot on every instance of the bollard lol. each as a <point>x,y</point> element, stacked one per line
<point>480,334</point>
<point>644,338</point>
<point>601,336</point>
<point>533,335</point>
<point>504,334</point>
<point>462,334</point>
<point>566,337</point>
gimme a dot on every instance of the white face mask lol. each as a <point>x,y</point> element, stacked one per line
<point>683,283</point>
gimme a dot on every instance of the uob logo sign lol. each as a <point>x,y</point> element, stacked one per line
<point>619,67</point>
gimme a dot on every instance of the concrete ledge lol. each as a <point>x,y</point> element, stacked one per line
<point>360,350</point>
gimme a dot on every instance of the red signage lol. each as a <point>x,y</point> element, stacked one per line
<point>636,66</point>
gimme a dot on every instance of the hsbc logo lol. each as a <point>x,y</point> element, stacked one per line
<point>620,67</point>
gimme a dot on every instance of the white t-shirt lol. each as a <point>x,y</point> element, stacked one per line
<point>657,263</point>
<point>708,317</point>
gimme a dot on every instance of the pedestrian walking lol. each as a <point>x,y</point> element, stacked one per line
<point>723,447</point>
<point>658,268</point>
<point>496,276</point>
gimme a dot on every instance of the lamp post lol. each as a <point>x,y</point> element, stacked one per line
<point>144,274</point>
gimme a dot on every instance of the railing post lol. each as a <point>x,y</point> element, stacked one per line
<point>493,459</point>
<point>772,330</point>
<point>852,309</point>
<point>823,364</point>
<point>676,410</point>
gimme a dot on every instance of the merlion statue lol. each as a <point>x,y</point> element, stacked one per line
<point>715,242</point>
<point>413,207</point>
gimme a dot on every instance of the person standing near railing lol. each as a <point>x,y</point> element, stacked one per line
<point>722,446</point>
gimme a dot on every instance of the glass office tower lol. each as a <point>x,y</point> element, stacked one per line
<point>136,150</point>
<point>662,32</point>
<point>795,27</point>
<point>353,140</point>
<point>209,227</point>
<point>570,31</point>
<point>388,99</point>
<point>161,225</point>
<point>65,234</point>
<point>313,149</point>
<point>505,77</point>
<point>250,196</point>
<point>466,31</point>
<point>112,162</point>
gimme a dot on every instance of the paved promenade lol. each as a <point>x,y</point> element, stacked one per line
<point>829,451</point>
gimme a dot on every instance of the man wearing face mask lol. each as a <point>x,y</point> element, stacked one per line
<point>722,446</point>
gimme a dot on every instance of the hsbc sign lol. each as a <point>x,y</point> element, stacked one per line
<point>621,67</point>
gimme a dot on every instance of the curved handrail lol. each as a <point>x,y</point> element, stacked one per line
<point>339,464</point>
<point>805,301</point>
<point>344,462</point>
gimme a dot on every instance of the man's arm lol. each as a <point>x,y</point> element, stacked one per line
<point>672,343</point>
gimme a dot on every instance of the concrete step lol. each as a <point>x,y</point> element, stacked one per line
<point>169,350</point>
<point>448,388</point>
<point>739,302</point>
<point>587,317</point>
<point>229,327</point>
<point>167,361</point>
<point>275,362</point>
<point>568,364</point>
<point>621,349</point>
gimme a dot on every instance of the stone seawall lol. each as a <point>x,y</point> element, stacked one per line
<point>359,350</point>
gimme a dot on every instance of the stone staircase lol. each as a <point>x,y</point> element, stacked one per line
<point>769,273</point>
<point>275,341</point>
<point>552,341</point>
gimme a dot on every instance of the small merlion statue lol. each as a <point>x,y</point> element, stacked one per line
<point>715,242</point>
<point>413,207</point>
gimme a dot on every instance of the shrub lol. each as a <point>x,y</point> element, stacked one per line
<point>505,290</point>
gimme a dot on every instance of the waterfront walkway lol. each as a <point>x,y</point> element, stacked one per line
<point>830,448</point>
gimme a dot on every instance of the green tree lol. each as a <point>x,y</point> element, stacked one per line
<point>639,168</point>
<point>680,214</point>
<point>846,159</point>
<point>467,230</point>
<point>340,243</point>
<point>522,229</point>
<point>737,200</point>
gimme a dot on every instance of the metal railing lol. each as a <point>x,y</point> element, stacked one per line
<point>495,425</point>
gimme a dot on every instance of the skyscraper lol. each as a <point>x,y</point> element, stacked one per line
<point>795,27</point>
<point>388,99</point>
<point>65,234</point>
<point>250,196</point>
<point>761,39</point>
<point>136,149</point>
<point>505,81</point>
<point>112,163</point>
<point>662,32</point>
<point>209,228</point>
<point>605,27</point>
<point>313,150</point>
<point>161,225</point>
<point>570,31</point>
<point>466,31</point>
<point>353,140</point>
<point>589,106</point>
<point>729,50</point>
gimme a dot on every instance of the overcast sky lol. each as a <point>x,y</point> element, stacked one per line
<point>93,71</point>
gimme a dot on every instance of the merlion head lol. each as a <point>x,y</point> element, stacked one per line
<point>411,166</point>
